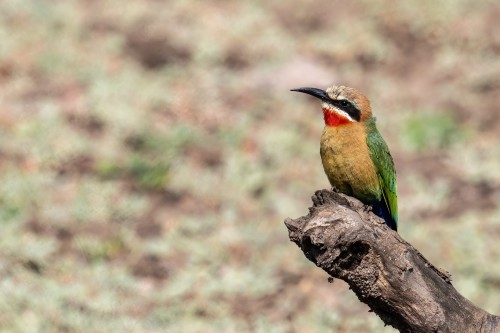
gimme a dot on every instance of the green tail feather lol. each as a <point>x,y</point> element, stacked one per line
<point>384,166</point>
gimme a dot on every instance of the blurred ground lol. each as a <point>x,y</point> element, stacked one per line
<point>150,151</point>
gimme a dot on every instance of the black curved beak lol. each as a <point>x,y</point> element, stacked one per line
<point>321,94</point>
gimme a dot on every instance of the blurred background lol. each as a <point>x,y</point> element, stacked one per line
<point>150,151</point>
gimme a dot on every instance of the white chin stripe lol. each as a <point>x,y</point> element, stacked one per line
<point>337,111</point>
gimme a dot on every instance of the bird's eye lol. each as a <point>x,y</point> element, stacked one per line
<point>344,103</point>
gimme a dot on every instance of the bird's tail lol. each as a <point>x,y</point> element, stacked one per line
<point>380,209</point>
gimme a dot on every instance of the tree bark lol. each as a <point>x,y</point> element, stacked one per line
<point>349,242</point>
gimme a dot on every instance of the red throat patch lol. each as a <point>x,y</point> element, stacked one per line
<point>334,119</point>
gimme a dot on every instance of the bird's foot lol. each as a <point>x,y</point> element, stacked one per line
<point>321,197</point>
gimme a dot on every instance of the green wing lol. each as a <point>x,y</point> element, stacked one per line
<point>384,167</point>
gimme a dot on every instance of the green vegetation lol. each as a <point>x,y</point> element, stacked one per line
<point>432,131</point>
<point>150,151</point>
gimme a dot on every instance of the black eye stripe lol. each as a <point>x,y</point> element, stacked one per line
<point>348,108</point>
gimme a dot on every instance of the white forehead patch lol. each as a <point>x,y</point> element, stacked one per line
<point>332,108</point>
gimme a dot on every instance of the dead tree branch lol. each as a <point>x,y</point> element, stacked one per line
<point>406,291</point>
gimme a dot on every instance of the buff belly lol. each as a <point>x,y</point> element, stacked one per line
<point>347,162</point>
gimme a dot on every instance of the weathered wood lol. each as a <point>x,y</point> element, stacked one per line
<point>344,238</point>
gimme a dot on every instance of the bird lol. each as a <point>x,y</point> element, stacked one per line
<point>355,157</point>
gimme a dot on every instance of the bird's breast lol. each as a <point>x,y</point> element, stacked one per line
<point>347,161</point>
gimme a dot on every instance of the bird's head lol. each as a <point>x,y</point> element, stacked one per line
<point>341,105</point>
